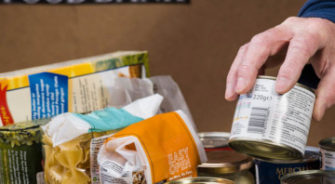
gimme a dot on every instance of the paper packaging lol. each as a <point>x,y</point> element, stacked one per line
<point>162,148</point>
<point>80,86</point>
<point>68,139</point>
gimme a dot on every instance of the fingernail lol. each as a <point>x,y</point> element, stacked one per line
<point>280,84</point>
<point>320,112</point>
<point>229,91</point>
<point>241,83</point>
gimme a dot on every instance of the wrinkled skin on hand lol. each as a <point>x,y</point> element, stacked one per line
<point>308,40</point>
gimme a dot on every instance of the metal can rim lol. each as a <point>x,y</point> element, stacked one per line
<point>303,160</point>
<point>324,144</point>
<point>191,180</point>
<point>206,137</point>
<point>307,173</point>
<point>297,84</point>
<point>265,141</point>
<point>227,168</point>
<point>20,129</point>
<point>214,134</point>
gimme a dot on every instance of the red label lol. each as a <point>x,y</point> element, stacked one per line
<point>6,117</point>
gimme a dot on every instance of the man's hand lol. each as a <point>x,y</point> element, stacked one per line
<point>309,40</point>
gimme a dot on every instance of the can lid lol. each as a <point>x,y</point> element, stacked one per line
<point>21,133</point>
<point>201,180</point>
<point>264,149</point>
<point>24,129</point>
<point>214,139</point>
<point>224,162</point>
<point>328,144</point>
<point>267,77</point>
<point>309,176</point>
<point>297,84</point>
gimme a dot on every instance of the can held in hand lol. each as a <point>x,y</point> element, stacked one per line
<point>309,177</point>
<point>201,180</point>
<point>228,164</point>
<point>270,171</point>
<point>272,126</point>
<point>328,153</point>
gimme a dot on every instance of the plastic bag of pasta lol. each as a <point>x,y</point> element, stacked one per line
<point>162,148</point>
<point>68,138</point>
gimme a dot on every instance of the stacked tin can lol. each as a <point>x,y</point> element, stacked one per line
<point>327,146</point>
<point>271,171</point>
<point>223,162</point>
<point>324,176</point>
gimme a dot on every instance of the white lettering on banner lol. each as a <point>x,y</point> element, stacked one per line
<point>179,161</point>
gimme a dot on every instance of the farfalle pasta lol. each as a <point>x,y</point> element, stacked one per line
<point>69,162</point>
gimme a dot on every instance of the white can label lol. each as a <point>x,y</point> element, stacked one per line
<point>328,160</point>
<point>263,114</point>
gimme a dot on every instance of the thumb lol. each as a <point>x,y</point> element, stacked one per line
<point>325,94</point>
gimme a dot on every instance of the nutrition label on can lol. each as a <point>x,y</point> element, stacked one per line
<point>328,160</point>
<point>263,114</point>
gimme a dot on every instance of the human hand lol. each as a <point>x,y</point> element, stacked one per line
<point>310,40</point>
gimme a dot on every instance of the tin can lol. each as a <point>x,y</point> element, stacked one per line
<point>215,140</point>
<point>20,152</point>
<point>328,153</point>
<point>228,164</point>
<point>201,180</point>
<point>268,125</point>
<point>270,171</point>
<point>309,177</point>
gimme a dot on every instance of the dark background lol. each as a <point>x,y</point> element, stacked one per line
<point>195,43</point>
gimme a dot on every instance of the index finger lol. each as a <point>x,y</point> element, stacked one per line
<point>260,48</point>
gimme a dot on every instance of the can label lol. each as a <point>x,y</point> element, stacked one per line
<point>264,115</point>
<point>328,160</point>
<point>20,164</point>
